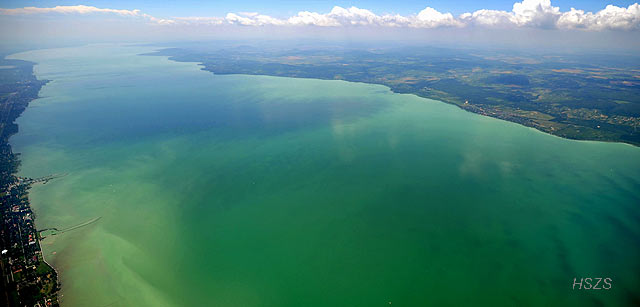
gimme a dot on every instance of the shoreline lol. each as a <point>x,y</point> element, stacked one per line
<point>565,130</point>
<point>469,109</point>
<point>440,100</point>
<point>33,279</point>
<point>56,270</point>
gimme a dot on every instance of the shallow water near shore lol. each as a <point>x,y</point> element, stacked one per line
<point>263,191</point>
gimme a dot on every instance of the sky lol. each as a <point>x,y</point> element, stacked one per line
<point>602,24</point>
<point>284,8</point>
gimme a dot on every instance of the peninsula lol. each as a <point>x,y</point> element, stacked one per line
<point>575,96</point>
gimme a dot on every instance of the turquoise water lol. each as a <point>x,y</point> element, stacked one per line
<point>262,191</point>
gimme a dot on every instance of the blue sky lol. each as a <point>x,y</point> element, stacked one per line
<point>282,8</point>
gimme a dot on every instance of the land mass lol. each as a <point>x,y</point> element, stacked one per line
<point>27,280</point>
<point>584,97</point>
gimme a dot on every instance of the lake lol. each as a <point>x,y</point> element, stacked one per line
<point>234,190</point>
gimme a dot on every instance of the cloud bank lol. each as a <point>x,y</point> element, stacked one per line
<point>75,9</point>
<point>526,14</point>
<point>82,9</point>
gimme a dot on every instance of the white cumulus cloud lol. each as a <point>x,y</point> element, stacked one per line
<point>430,18</point>
<point>542,14</point>
<point>339,16</point>
<point>252,19</point>
<point>611,18</point>
<point>527,13</point>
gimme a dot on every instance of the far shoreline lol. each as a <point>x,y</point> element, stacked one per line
<point>174,54</point>
<point>159,51</point>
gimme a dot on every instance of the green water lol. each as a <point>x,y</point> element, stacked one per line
<point>263,191</point>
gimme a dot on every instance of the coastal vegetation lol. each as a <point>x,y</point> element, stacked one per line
<point>575,96</point>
